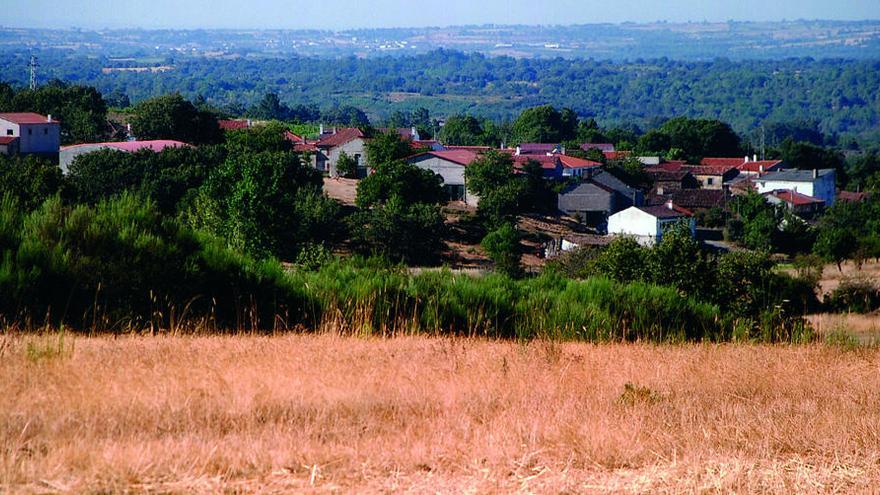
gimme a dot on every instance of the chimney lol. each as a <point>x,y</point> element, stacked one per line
<point>249,123</point>
<point>815,173</point>
<point>670,205</point>
<point>760,170</point>
<point>321,130</point>
<point>746,159</point>
<point>49,118</point>
<point>754,157</point>
<point>518,150</point>
<point>562,149</point>
<point>415,133</point>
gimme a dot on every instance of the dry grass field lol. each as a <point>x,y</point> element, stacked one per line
<point>324,413</point>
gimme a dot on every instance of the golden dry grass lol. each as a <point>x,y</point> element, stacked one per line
<point>865,329</point>
<point>429,415</point>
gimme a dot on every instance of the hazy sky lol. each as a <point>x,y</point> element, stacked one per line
<point>341,14</point>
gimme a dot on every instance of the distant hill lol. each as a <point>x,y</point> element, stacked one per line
<point>681,41</point>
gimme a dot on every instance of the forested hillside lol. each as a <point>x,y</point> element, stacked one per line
<point>841,96</point>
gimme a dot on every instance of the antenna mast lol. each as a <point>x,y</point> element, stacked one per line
<point>33,67</point>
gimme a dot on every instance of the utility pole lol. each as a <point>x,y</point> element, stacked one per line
<point>33,67</point>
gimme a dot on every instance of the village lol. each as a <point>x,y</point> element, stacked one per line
<point>593,204</point>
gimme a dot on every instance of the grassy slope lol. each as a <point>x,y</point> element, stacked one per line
<point>323,413</point>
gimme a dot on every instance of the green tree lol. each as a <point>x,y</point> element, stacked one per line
<point>398,179</point>
<point>252,201</point>
<point>270,108</point>
<point>173,117</point>
<point>462,130</point>
<point>386,148</point>
<point>29,180</point>
<point>545,124</point>
<point>269,137</point>
<point>838,232</point>
<point>503,247</point>
<point>346,165</point>
<point>410,233</point>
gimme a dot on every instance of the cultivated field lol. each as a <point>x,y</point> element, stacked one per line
<point>432,415</point>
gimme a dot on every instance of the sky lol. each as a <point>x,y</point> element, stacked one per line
<point>347,14</point>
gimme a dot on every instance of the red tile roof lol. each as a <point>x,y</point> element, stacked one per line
<point>460,157</point>
<point>232,125</point>
<point>664,211</point>
<point>665,167</point>
<point>133,146</point>
<point>725,162</point>
<point>341,137</point>
<point>478,149</point>
<point>598,146</point>
<point>794,198</point>
<point>769,166</point>
<point>573,162</point>
<point>305,148</point>
<point>4,140</point>
<point>699,198</point>
<point>294,138</point>
<point>853,197</point>
<point>708,169</point>
<point>616,155</point>
<point>537,148</point>
<point>26,118</point>
<point>425,143</point>
<point>550,162</point>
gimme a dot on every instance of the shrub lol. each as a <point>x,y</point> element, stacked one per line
<point>264,204</point>
<point>854,294</point>
<point>401,232</point>
<point>502,246</point>
<point>346,166</point>
<point>122,264</point>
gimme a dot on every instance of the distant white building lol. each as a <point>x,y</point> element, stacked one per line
<point>31,133</point>
<point>819,184</point>
<point>648,223</point>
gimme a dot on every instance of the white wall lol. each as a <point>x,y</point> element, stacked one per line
<point>451,172</point>
<point>351,148</point>
<point>822,188</point>
<point>34,138</point>
<point>633,221</point>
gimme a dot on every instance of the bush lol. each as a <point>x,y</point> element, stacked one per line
<point>346,166</point>
<point>264,204</point>
<point>401,232</point>
<point>854,295</point>
<point>122,264</point>
<point>29,179</point>
<point>502,246</point>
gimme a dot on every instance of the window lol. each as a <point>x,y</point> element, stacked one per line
<point>30,132</point>
<point>8,132</point>
<point>45,131</point>
<point>357,159</point>
<point>710,181</point>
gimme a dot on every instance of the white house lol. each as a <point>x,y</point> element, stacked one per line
<point>648,223</point>
<point>37,135</point>
<point>450,165</point>
<point>351,141</point>
<point>819,184</point>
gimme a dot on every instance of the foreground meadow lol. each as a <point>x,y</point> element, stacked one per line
<point>327,413</point>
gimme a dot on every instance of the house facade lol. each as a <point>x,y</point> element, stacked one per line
<point>351,141</point>
<point>596,197</point>
<point>712,176</point>
<point>819,184</point>
<point>37,134</point>
<point>804,206</point>
<point>450,165</point>
<point>647,224</point>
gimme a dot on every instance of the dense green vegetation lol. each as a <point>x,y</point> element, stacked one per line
<point>840,96</point>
